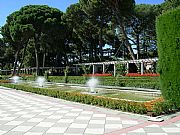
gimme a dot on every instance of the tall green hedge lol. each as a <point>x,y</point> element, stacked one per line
<point>168,36</point>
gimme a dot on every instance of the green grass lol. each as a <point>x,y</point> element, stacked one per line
<point>128,96</point>
<point>102,92</point>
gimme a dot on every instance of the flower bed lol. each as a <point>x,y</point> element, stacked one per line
<point>5,81</point>
<point>97,74</point>
<point>138,74</point>
<point>25,75</point>
<point>155,107</point>
<point>123,105</point>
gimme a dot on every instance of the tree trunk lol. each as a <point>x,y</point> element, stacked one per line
<point>101,41</point>
<point>15,62</point>
<point>128,45</point>
<point>120,21</point>
<point>36,47</point>
<point>138,48</point>
<point>44,58</point>
<point>23,56</point>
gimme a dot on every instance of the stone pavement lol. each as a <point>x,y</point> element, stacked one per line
<point>23,113</point>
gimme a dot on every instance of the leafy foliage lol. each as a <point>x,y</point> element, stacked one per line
<point>169,54</point>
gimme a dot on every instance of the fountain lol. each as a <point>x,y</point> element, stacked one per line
<point>40,81</point>
<point>15,79</point>
<point>92,84</point>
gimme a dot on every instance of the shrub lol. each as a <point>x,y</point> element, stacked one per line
<point>123,105</point>
<point>140,82</point>
<point>164,107</point>
<point>168,35</point>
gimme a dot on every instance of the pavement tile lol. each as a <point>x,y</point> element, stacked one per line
<point>14,133</point>
<point>97,122</point>
<point>55,117</point>
<point>23,113</point>
<point>29,124</point>
<point>72,134</point>
<point>129,122</point>
<point>14,123</point>
<point>7,118</point>
<point>7,127</point>
<point>178,125</point>
<point>46,113</point>
<point>95,126</point>
<point>65,120</point>
<point>45,124</point>
<point>75,131</point>
<point>62,124</point>
<point>87,112</point>
<point>139,130</point>
<point>137,133</point>
<point>22,128</point>
<point>62,111</point>
<point>153,130</point>
<point>2,132</point>
<point>77,125</point>
<point>38,129</point>
<point>72,114</point>
<point>76,110</point>
<point>113,118</point>
<point>113,126</point>
<point>172,130</point>
<point>81,121</point>
<point>157,134</point>
<point>28,115</point>
<point>56,130</point>
<point>94,131</point>
<point>83,118</point>
<point>99,115</point>
<point>33,133</point>
<point>36,120</point>
<point>113,122</point>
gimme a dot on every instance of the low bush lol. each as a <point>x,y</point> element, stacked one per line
<point>139,82</point>
<point>123,105</point>
<point>164,107</point>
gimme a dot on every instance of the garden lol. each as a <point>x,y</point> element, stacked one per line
<point>42,48</point>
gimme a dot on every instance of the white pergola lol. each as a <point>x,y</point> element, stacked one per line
<point>139,61</point>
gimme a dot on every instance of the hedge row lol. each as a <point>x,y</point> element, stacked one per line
<point>153,108</point>
<point>123,105</point>
<point>168,35</point>
<point>139,82</point>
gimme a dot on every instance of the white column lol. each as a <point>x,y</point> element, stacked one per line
<point>93,69</point>
<point>127,66</point>
<point>103,68</point>
<point>114,69</point>
<point>142,68</point>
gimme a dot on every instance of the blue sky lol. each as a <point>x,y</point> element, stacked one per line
<point>9,6</point>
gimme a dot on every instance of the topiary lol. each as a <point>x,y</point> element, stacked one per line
<point>168,36</point>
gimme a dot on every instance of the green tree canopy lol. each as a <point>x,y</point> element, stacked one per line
<point>35,21</point>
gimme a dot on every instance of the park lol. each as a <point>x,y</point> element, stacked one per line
<point>102,67</point>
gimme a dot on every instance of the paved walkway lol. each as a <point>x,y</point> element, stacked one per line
<point>23,113</point>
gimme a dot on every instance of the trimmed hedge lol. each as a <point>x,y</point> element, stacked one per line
<point>123,105</point>
<point>168,35</point>
<point>139,82</point>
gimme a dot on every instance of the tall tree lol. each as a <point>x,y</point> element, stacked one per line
<point>142,26</point>
<point>122,9</point>
<point>78,21</point>
<point>16,34</point>
<point>42,20</point>
<point>170,4</point>
<point>98,14</point>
